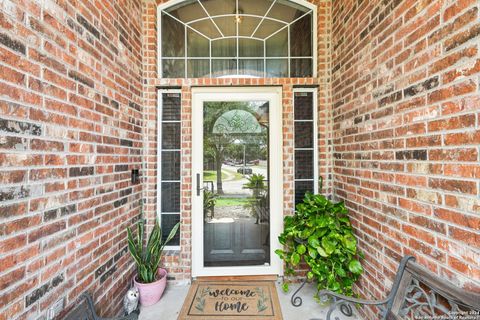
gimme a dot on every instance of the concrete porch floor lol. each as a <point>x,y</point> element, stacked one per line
<point>169,306</point>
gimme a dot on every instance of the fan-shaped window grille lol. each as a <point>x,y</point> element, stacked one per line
<point>243,38</point>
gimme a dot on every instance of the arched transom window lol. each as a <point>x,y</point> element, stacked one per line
<point>245,38</point>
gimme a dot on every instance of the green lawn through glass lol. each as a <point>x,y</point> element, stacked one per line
<point>228,202</point>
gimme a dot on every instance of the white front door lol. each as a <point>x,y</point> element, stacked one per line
<point>237,185</point>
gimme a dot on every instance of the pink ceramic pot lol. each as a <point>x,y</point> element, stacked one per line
<point>150,293</point>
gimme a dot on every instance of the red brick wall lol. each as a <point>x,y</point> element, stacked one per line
<point>406,111</point>
<point>70,131</point>
<point>404,122</point>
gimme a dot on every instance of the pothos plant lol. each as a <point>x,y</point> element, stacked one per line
<point>320,234</point>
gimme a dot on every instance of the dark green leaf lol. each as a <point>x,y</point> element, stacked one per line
<point>295,259</point>
<point>280,253</point>
<point>355,267</point>
<point>313,242</point>
<point>328,245</point>
<point>350,242</point>
<point>322,252</point>
<point>304,234</point>
<point>340,271</point>
<point>321,221</point>
<point>301,249</point>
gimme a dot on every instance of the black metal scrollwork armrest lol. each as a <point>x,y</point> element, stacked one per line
<point>343,302</point>
<point>384,305</point>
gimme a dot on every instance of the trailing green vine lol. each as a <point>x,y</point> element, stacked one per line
<point>320,234</point>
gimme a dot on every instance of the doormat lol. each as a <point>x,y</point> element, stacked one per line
<point>231,300</point>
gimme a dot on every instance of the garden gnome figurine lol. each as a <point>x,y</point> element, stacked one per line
<point>130,301</point>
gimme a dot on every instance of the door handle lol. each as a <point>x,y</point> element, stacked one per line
<point>198,185</point>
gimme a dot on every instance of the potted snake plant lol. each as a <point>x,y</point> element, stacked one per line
<point>150,279</point>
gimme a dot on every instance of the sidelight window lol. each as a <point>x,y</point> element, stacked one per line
<point>306,159</point>
<point>169,162</point>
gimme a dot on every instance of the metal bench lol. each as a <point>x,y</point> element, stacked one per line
<point>85,310</point>
<point>417,293</point>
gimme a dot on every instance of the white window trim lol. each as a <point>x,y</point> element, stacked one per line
<point>315,138</point>
<point>160,93</point>
<point>304,3</point>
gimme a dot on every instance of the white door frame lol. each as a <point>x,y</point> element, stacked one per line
<point>274,96</point>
